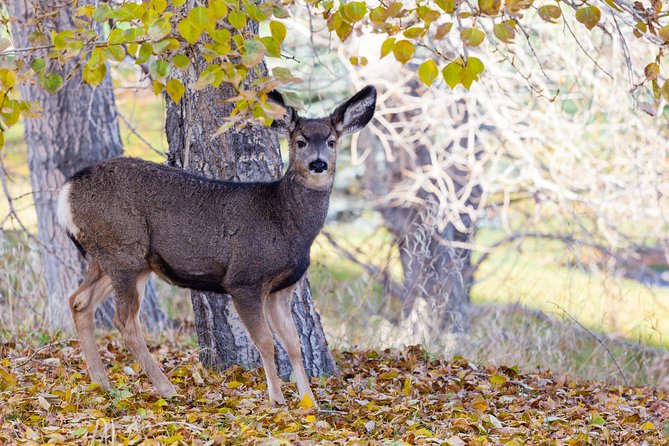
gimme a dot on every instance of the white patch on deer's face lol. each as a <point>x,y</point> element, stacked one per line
<point>64,210</point>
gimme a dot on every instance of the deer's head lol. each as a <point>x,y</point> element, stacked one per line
<point>313,141</point>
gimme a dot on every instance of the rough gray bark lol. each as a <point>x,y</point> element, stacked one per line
<point>78,128</point>
<point>250,154</point>
<point>432,269</point>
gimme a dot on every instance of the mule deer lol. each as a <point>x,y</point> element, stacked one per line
<point>250,240</point>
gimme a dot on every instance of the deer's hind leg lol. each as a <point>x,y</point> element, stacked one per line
<point>95,287</point>
<point>129,288</point>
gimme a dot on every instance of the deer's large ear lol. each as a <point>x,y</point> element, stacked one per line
<point>354,114</point>
<point>287,123</point>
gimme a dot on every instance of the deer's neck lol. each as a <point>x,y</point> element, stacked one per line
<point>307,207</point>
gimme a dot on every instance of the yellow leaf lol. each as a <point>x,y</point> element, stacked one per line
<point>427,72</point>
<point>589,16</point>
<point>471,37</point>
<point>407,389</point>
<point>403,51</point>
<point>647,426</point>
<point>310,418</point>
<point>306,402</point>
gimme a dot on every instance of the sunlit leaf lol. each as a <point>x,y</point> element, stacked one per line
<point>189,32</point>
<point>160,69</point>
<point>387,46</point>
<point>403,51</point>
<point>471,37</point>
<point>452,73</point>
<point>278,30</point>
<point>237,19</point>
<point>652,71</point>
<point>550,13</point>
<point>175,89</point>
<point>504,31</point>
<point>588,16</point>
<point>355,11</point>
<point>181,61</point>
<point>94,75</point>
<point>447,6</point>
<point>428,72</point>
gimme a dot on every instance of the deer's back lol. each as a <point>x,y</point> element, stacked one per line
<point>195,232</point>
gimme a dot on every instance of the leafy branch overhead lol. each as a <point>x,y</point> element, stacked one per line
<point>438,37</point>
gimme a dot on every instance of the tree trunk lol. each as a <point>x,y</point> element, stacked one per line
<point>434,268</point>
<point>249,154</point>
<point>78,128</point>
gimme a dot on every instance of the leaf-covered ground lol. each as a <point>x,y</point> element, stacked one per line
<point>390,397</point>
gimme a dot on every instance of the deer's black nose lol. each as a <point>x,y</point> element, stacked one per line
<point>318,166</point>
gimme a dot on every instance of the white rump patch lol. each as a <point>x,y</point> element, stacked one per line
<point>64,210</point>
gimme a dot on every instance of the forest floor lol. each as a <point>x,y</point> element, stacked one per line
<point>390,397</point>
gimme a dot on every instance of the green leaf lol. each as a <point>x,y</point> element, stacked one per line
<point>504,31</point>
<point>159,29</point>
<point>218,8</point>
<point>237,19</point>
<point>403,51</point>
<point>11,112</point>
<point>145,51</point>
<point>415,32</point>
<point>53,82</point>
<point>159,5</point>
<point>181,61</point>
<point>428,72</point>
<point>452,73</point>
<point>175,89</point>
<point>102,13</point>
<point>489,7</point>
<point>387,46</point>
<point>588,16</point>
<point>116,36</point>
<point>189,32</point>
<point>550,13</point>
<point>212,75</point>
<point>272,46</point>
<point>471,37</point>
<point>443,30</point>
<point>201,18</point>
<point>278,30</point>
<point>378,15</point>
<point>160,69</point>
<point>116,52</point>
<point>447,6</point>
<point>355,11</point>
<point>221,36</point>
<point>93,75</point>
<point>38,65</point>
<point>253,53</point>
<point>79,431</point>
<point>96,58</point>
<point>471,71</point>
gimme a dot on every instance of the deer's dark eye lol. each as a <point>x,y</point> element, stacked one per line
<point>301,144</point>
<point>331,144</point>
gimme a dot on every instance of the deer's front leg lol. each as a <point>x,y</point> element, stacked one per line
<point>249,305</point>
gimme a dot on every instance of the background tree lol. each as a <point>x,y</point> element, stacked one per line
<point>78,127</point>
